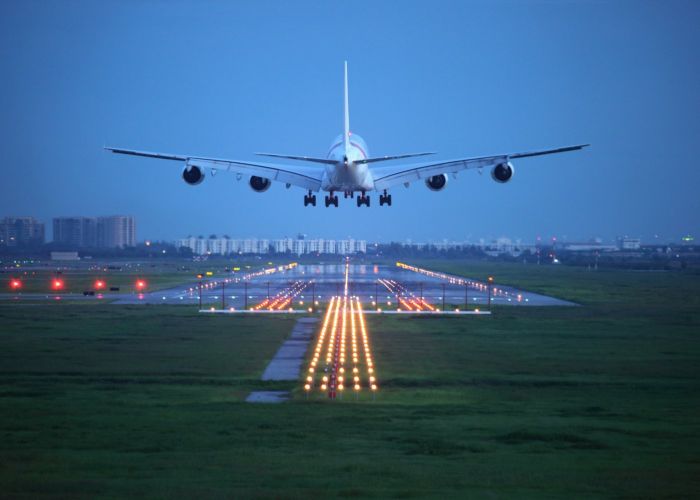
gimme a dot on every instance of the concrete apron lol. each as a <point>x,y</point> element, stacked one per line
<point>286,364</point>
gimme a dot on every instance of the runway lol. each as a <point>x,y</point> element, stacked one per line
<point>388,288</point>
<point>406,289</point>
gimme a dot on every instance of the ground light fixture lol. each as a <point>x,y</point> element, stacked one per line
<point>15,284</point>
<point>57,284</point>
<point>140,285</point>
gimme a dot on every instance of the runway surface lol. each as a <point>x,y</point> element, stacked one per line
<point>306,284</point>
<point>377,286</point>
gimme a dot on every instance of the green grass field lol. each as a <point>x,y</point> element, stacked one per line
<point>598,401</point>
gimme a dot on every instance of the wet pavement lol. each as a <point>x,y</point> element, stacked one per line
<point>323,282</point>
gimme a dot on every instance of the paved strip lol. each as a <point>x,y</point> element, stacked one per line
<point>286,364</point>
<point>267,397</point>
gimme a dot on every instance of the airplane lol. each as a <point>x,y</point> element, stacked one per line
<point>347,168</point>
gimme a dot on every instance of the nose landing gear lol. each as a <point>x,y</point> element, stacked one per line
<point>384,199</point>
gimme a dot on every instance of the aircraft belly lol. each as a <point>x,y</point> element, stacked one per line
<point>348,179</point>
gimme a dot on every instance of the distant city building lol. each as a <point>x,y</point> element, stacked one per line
<point>116,231</point>
<point>77,232</point>
<point>21,231</point>
<point>224,246</point>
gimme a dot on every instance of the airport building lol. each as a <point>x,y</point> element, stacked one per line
<point>115,231</point>
<point>18,231</point>
<point>225,246</point>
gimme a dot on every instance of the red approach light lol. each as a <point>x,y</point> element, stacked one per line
<point>57,284</point>
<point>140,284</point>
<point>15,284</point>
<point>99,284</point>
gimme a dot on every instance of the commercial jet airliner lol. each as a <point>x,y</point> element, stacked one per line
<point>347,168</point>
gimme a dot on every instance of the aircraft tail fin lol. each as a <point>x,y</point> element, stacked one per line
<point>346,114</point>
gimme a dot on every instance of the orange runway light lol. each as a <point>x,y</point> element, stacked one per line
<point>140,284</point>
<point>99,285</point>
<point>57,284</point>
<point>15,284</point>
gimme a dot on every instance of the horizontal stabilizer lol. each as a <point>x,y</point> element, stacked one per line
<point>301,158</point>
<point>548,151</point>
<point>387,158</point>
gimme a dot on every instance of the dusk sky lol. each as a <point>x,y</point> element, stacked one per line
<point>227,79</point>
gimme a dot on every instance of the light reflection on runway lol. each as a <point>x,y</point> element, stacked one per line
<point>366,282</point>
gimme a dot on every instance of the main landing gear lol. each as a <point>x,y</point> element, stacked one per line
<point>310,199</point>
<point>384,199</point>
<point>363,199</point>
<point>332,200</point>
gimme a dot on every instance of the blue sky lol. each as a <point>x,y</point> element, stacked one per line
<point>226,79</point>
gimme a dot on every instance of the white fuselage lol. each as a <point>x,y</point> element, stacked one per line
<point>346,175</point>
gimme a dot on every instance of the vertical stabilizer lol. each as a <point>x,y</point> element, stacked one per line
<point>346,130</point>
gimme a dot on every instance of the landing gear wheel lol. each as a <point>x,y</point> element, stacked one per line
<point>384,199</point>
<point>309,199</point>
<point>363,199</point>
<point>331,200</point>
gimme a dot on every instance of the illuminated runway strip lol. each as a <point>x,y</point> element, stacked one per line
<point>371,376</point>
<point>340,327</point>
<point>355,357</point>
<point>419,302</point>
<point>395,291</point>
<point>313,364</point>
<point>331,359</point>
<point>283,298</point>
<point>294,294</point>
<point>455,280</point>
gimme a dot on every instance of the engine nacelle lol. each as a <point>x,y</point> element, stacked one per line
<point>193,175</point>
<point>502,172</point>
<point>436,182</point>
<point>259,184</point>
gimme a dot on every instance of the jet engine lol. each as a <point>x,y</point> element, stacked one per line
<point>259,184</point>
<point>193,175</point>
<point>436,182</point>
<point>502,172</point>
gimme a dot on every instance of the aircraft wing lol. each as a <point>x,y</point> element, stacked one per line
<point>386,177</point>
<point>302,176</point>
